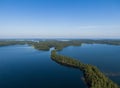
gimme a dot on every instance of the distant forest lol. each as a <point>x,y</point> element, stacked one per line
<point>59,45</point>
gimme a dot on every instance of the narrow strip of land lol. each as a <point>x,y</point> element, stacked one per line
<point>94,78</point>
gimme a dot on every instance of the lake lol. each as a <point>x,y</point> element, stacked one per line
<point>22,66</point>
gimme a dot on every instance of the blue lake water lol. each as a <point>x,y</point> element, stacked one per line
<point>22,66</point>
<point>105,57</point>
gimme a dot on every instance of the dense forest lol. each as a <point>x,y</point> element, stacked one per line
<point>7,43</point>
<point>94,78</point>
<point>59,45</point>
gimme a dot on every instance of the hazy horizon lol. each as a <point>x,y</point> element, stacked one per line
<point>97,19</point>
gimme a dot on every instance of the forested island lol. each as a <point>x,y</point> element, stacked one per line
<point>94,78</point>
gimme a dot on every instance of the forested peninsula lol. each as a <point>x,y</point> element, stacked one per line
<point>94,78</point>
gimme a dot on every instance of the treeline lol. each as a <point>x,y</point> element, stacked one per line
<point>102,41</point>
<point>43,45</point>
<point>59,45</point>
<point>94,78</point>
<point>7,43</point>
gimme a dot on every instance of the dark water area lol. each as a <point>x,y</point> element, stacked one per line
<point>22,66</point>
<point>105,57</point>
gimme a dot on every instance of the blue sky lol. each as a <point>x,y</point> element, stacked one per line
<point>59,18</point>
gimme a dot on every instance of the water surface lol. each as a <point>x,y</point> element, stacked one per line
<point>105,57</point>
<point>22,66</point>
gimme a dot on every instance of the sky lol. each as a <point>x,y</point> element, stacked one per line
<point>60,19</point>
